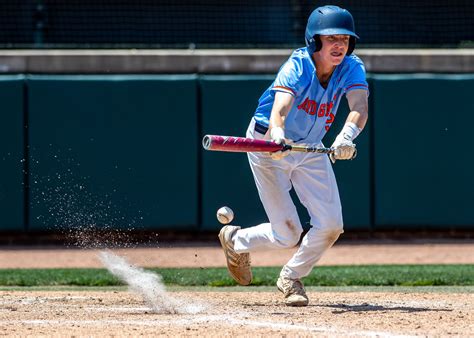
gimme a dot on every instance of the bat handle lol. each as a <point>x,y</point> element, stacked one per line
<point>305,149</point>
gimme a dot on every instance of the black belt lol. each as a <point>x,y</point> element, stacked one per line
<point>260,128</point>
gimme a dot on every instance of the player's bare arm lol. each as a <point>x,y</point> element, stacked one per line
<point>281,107</point>
<point>355,122</point>
<point>359,107</point>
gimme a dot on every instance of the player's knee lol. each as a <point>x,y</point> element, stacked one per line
<point>287,242</point>
<point>334,224</point>
<point>333,230</point>
<point>288,235</point>
<point>333,234</point>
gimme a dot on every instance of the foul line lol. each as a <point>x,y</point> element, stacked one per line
<point>221,319</point>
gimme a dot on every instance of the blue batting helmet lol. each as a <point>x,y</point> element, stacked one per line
<point>329,20</point>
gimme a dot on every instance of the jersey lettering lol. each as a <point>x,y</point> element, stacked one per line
<point>309,106</point>
<point>322,110</point>
<point>329,108</point>
<point>330,119</point>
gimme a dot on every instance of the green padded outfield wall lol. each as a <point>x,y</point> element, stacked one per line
<point>227,104</point>
<point>423,151</point>
<point>11,154</point>
<point>97,154</point>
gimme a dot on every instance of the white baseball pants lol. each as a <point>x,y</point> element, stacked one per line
<point>313,179</point>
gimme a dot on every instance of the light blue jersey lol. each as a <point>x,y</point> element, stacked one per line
<point>314,108</point>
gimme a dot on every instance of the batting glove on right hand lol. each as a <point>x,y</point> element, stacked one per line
<point>344,149</point>
<point>277,134</point>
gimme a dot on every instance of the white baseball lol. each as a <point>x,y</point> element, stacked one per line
<point>225,215</point>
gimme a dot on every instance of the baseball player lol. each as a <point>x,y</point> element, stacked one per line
<point>299,107</point>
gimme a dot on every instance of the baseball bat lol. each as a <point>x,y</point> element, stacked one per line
<point>245,145</point>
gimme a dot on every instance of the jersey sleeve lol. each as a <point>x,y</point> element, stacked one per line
<point>356,78</point>
<point>290,78</point>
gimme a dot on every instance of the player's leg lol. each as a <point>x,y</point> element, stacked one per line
<point>284,228</point>
<point>272,179</point>
<point>315,185</point>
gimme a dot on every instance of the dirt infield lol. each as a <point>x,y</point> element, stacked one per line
<point>211,256</point>
<point>254,312</point>
<point>118,313</point>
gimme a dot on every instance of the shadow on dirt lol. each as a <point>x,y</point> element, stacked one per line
<point>365,307</point>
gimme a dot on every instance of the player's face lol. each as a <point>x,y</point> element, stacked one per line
<point>334,48</point>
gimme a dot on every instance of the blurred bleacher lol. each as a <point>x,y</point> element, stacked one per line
<point>226,24</point>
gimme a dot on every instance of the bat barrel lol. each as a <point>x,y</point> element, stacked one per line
<point>207,142</point>
<point>238,144</point>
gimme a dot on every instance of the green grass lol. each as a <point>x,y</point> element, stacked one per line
<point>366,275</point>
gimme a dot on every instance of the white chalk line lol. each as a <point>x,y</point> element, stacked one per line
<point>42,300</point>
<point>225,320</point>
<point>118,309</point>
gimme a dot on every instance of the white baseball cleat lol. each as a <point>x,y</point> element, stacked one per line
<point>237,264</point>
<point>293,290</point>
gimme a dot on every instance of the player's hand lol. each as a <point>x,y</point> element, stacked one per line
<point>344,149</point>
<point>278,155</point>
<point>277,134</point>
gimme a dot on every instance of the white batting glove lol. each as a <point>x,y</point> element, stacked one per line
<point>344,148</point>
<point>277,134</point>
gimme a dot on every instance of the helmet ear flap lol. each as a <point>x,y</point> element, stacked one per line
<point>318,43</point>
<point>352,44</point>
<point>311,45</point>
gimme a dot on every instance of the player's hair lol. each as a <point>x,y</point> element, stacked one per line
<point>329,20</point>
